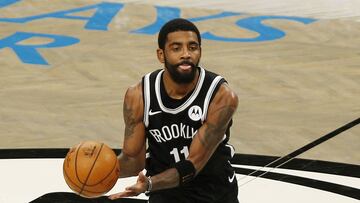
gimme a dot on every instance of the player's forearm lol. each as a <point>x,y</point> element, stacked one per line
<point>165,180</point>
<point>129,166</point>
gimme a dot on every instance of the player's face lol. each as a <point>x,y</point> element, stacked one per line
<point>181,56</point>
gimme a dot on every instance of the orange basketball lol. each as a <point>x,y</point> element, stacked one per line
<point>91,169</point>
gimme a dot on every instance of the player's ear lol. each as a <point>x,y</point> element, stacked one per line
<point>160,54</point>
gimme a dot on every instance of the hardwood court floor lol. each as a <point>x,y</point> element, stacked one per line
<point>292,90</point>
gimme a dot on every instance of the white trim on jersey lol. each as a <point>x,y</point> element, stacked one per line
<point>146,98</point>
<point>232,149</point>
<point>185,104</point>
<point>208,96</point>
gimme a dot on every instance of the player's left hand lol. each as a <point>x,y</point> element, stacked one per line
<point>139,187</point>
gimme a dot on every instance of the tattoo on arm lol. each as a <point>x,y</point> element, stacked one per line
<point>130,121</point>
<point>213,130</point>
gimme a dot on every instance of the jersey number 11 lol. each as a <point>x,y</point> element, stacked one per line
<point>175,153</point>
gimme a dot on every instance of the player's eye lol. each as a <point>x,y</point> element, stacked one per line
<point>194,47</point>
<point>175,48</point>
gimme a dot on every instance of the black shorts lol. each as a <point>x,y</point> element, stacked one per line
<point>197,194</point>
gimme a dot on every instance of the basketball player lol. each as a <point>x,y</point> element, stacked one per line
<point>184,112</point>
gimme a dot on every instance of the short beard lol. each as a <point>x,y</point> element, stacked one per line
<point>181,78</point>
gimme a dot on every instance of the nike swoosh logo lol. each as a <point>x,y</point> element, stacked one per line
<point>231,179</point>
<point>151,113</point>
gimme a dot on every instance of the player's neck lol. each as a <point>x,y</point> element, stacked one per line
<point>176,90</point>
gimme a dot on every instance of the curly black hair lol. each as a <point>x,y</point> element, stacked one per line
<point>178,24</point>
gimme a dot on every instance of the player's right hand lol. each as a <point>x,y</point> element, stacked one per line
<point>139,187</point>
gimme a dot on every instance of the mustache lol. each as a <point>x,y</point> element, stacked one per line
<point>186,63</point>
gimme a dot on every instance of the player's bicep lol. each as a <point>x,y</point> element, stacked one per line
<point>134,143</point>
<point>212,133</point>
<point>134,135</point>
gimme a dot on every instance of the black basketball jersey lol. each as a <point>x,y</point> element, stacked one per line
<point>171,124</point>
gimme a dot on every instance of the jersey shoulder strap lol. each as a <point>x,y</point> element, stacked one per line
<point>147,80</point>
<point>215,82</point>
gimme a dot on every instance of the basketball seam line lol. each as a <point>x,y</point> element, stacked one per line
<point>69,179</point>
<point>92,167</point>
<point>114,168</point>
<point>76,157</point>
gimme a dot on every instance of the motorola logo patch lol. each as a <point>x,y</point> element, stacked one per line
<point>195,113</point>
